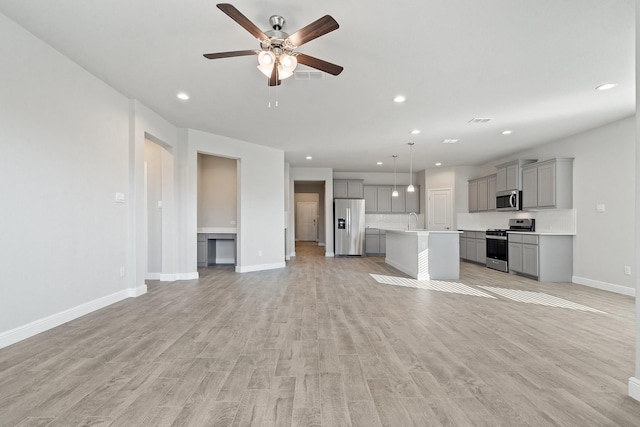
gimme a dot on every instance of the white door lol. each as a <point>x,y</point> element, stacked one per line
<point>439,209</point>
<point>307,221</point>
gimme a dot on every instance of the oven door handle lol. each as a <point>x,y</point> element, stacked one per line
<point>497,237</point>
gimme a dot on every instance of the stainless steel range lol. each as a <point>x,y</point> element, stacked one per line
<point>497,242</point>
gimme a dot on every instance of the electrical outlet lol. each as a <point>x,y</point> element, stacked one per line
<point>122,271</point>
<point>119,198</point>
<point>627,270</point>
<point>233,223</point>
<point>259,253</point>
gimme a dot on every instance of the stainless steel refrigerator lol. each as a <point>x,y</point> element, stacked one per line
<point>348,233</point>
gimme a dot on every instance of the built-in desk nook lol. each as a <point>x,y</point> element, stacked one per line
<point>216,246</point>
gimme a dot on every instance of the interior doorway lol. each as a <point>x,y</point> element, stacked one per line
<point>307,221</point>
<point>158,198</point>
<point>439,209</point>
<point>308,237</point>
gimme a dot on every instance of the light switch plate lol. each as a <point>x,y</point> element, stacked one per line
<point>119,198</point>
<point>600,207</point>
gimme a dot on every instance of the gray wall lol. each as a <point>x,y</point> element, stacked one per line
<point>217,191</point>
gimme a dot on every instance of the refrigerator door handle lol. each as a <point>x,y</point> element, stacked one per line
<point>348,221</point>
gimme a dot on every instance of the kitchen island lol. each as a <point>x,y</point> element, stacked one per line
<point>423,254</point>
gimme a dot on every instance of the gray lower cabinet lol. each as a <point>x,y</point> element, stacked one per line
<point>473,246</point>
<point>202,250</point>
<point>549,258</point>
<point>207,243</point>
<point>375,241</point>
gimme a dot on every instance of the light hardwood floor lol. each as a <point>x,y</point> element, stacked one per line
<point>321,343</point>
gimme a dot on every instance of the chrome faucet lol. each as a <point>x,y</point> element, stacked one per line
<point>409,223</point>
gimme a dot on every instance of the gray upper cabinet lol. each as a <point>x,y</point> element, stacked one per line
<point>348,188</point>
<point>491,192</point>
<point>370,198</point>
<point>482,194</point>
<point>384,199</point>
<point>483,200</point>
<point>412,201</point>
<point>548,184</point>
<point>473,196</point>
<point>529,187</point>
<point>378,199</point>
<point>397,203</point>
<point>508,175</point>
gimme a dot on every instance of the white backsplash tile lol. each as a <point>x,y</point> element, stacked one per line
<point>399,221</point>
<point>547,221</point>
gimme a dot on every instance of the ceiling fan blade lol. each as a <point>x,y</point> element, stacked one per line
<point>231,54</point>
<point>318,28</point>
<point>274,80</point>
<point>237,16</point>
<point>319,64</point>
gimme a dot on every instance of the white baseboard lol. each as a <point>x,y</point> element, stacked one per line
<point>136,292</point>
<point>260,267</point>
<point>634,388</point>
<point>225,260</point>
<point>624,290</point>
<point>188,276</point>
<point>293,254</point>
<point>171,277</point>
<point>287,257</point>
<point>320,244</point>
<point>30,329</point>
<point>329,254</point>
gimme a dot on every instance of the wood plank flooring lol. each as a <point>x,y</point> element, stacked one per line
<point>321,343</point>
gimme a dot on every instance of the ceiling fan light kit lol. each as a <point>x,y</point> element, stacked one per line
<point>277,57</point>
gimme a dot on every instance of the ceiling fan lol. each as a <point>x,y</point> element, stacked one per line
<point>277,56</point>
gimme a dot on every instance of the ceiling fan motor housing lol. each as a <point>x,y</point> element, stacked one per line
<point>277,22</point>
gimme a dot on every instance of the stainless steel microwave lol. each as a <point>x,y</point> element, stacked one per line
<point>509,200</point>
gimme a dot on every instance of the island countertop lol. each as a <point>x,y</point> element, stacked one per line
<point>420,231</point>
<point>424,254</point>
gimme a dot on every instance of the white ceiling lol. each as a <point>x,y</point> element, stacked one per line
<point>530,65</point>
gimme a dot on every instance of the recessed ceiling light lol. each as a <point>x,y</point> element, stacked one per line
<point>415,131</point>
<point>183,96</point>
<point>506,132</point>
<point>379,163</point>
<point>309,157</point>
<point>400,98</point>
<point>606,86</point>
<point>449,141</point>
<point>438,164</point>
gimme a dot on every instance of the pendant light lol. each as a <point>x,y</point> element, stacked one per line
<point>395,188</point>
<point>410,188</point>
